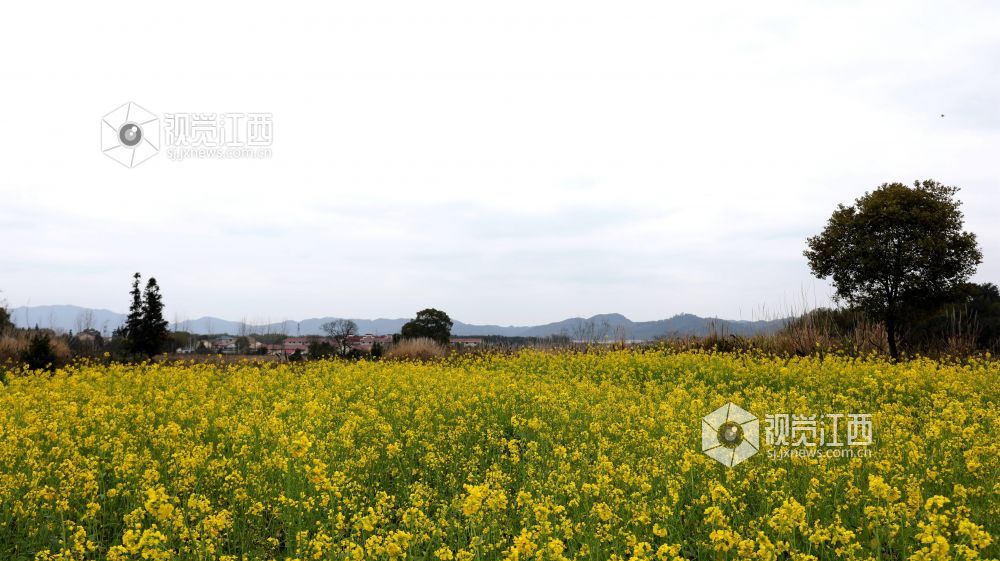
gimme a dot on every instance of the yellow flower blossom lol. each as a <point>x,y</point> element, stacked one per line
<point>530,455</point>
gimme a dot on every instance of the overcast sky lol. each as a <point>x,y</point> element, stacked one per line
<point>511,162</point>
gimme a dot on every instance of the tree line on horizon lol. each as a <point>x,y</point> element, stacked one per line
<point>897,258</point>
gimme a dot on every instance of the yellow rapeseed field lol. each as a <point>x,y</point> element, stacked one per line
<point>532,456</point>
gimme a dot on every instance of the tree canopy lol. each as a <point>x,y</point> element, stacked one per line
<point>430,323</point>
<point>897,252</point>
<point>145,331</point>
<point>341,331</point>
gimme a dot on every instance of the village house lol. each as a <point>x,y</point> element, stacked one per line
<point>224,344</point>
<point>287,348</point>
<point>365,343</point>
<point>466,341</point>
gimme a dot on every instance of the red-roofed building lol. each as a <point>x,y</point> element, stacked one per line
<point>285,349</point>
<point>364,343</point>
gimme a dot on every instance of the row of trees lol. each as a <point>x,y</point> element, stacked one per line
<point>429,323</point>
<point>145,331</point>
<point>898,255</point>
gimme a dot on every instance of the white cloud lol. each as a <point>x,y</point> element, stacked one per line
<point>509,163</point>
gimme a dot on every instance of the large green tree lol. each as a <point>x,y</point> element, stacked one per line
<point>145,331</point>
<point>897,251</point>
<point>430,323</point>
<point>155,328</point>
<point>131,332</point>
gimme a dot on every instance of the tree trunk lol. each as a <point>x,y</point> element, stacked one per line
<point>890,331</point>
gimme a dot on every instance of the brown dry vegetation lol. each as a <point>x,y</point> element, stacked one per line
<point>420,348</point>
<point>818,333</point>
<point>14,344</point>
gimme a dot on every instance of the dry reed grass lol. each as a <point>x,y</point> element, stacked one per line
<point>421,349</point>
<point>13,345</point>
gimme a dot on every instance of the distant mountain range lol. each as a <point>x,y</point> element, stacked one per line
<point>75,318</point>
